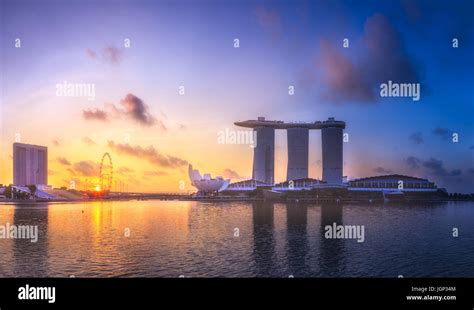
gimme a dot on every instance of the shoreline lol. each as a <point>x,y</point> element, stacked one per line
<point>224,199</point>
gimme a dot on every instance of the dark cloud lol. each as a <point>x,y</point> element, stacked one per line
<point>343,79</point>
<point>86,168</point>
<point>150,154</point>
<point>63,161</point>
<point>91,54</point>
<point>154,173</point>
<point>424,15</point>
<point>413,162</point>
<point>88,141</point>
<point>382,170</point>
<point>412,10</point>
<point>269,19</point>
<point>110,54</point>
<point>443,133</point>
<point>131,107</point>
<point>231,174</point>
<point>124,170</point>
<point>433,166</point>
<point>135,108</point>
<point>71,171</point>
<point>384,58</point>
<point>471,170</point>
<point>387,58</point>
<point>416,138</point>
<point>96,114</point>
<point>436,167</point>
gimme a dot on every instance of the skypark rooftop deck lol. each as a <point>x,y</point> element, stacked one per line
<point>261,122</point>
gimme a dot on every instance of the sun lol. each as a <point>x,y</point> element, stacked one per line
<point>97,188</point>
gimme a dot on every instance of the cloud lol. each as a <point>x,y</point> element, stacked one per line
<point>443,133</point>
<point>411,10</point>
<point>343,79</point>
<point>413,162</point>
<point>56,143</point>
<point>433,166</point>
<point>109,54</point>
<point>131,107</point>
<point>387,58</point>
<point>470,170</point>
<point>88,141</point>
<point>96,114</point>
<point>86,168</point>
<point>382,170</point>
<point>150,154</point>
<point>91,54</point>
<point>416,138</point>
<point>63,161</point>
<point>154,173</point>
<point>124,170</point>
<point>384,58</point>
<point>268,19</point>
<point>436,167</point>
<point>71,171</point>
<point>424,15</point>
<point>231,174</point>
<point>135,108</point>
<point>112,54</point>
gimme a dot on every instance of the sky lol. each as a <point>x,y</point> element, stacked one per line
<point>168,77</point>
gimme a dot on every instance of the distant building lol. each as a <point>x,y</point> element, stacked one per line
<point>30,164</point>
<point>292,185</point>
<point>392,182</point>
<point>300,184</point>
<point>246,185</point>
<point>206,184</point>
<point>298,149</point>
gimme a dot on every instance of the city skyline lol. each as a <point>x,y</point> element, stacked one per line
<point>159,103</point>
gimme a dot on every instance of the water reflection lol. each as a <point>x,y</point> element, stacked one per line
<point>31,258</point>
<point>263,236</point>
<point>195,239</point>
<point>295,242</point>
<point>331,258</point>
<point>297,238</point>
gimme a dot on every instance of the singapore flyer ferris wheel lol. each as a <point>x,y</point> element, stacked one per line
<point>106,172</point>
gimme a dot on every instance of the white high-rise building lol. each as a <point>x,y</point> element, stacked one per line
<point>331,138</point>
<point>298,152</point>
<point>264,155</point>
<point>298,149</point>
<point>30,164</point>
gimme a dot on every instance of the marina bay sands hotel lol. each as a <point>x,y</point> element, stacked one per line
<point>298,149</point>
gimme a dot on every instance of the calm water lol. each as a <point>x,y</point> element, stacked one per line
<point>195,239</point>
